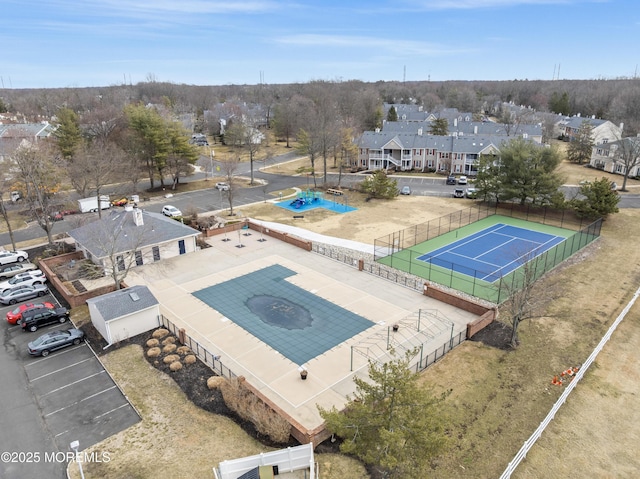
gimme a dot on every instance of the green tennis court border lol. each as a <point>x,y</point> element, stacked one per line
<point>406,259</point>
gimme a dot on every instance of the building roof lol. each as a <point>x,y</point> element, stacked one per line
<point>477,128</point>
<point>452,144</point>
<point>26,130</point>
<point>123,302</point>
<point>117,232</point>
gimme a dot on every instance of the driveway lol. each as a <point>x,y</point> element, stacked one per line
<point>50,402</point>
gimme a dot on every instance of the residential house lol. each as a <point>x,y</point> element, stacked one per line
<point>608,156</point>
<point>124,313</point>
<point>133,235</point>
<point>470,128</point>
<point>419,151</point>
<point>13,135</point>
<point>603,131</point>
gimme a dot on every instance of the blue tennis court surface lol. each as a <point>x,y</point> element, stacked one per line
<point>294,322</point>
<point>492,252</point>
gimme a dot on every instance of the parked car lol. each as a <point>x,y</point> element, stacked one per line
<point>405,190</point>
<point>471,193</point>
<point>28,278</point>
<point>36,318</point>
<point>171,211</point>
<point>222,186</point>
<point>458,193</point>
<point>462,180</point>
<point>120,202</point>
<point>10,270</point>
<point>7,257</point>
<point>55,340</point>
<point>15,316</point>
<point>451,180</point>
<point>22,293</point>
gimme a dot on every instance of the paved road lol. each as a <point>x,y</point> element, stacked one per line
<point>214,200</point>
<point>49,402</point>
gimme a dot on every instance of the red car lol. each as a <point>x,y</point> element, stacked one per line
<point>16,315</point>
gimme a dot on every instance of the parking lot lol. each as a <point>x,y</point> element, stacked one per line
<point>48,402</point>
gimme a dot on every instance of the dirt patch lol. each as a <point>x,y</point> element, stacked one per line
<point>497,335</point>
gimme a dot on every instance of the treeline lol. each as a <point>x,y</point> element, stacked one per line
<point>355,103</point>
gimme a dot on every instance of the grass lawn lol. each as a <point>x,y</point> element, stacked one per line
<point>496,398</point>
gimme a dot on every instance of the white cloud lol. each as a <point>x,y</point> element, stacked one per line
<point>373,44</point>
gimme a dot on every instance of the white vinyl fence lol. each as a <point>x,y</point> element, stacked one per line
<point>528,444</point>
<point>287,460</point>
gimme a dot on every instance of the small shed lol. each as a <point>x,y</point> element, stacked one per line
<point>124,313</point>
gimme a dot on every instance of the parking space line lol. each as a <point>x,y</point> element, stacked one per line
<point>78,402</point>
<point>66,351</point>
<point>61,369</point>
<point>113,410</point>
<point>73,383</point>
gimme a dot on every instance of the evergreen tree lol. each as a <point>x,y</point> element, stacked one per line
<point>392,423</point>
<point>581,146</point>
<point>439,126</point>
<point>392,115</point>
<point>379,185</point>
<point>526,172</point>
<point>600,200</point>
<point>67,133</point>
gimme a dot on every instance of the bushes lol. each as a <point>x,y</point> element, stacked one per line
<point>249,407</point>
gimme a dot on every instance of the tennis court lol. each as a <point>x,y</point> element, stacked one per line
<point>492,252</point>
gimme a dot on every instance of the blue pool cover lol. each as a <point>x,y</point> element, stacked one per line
<point>293,321</point>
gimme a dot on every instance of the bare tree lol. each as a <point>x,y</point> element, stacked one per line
<point>627,154</point>
<point>116,242</point>
<point>40,172</point>
<point>229,169</point>
<point>525,296</point>
<point>94,165</point>
<point>6,186</point>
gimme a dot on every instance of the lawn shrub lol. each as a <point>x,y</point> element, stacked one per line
<point>183,350</point>
<point>249,407</point>
<point>169,348</point>
<point>160,333</point>
<point>190,359</point>
<point>171,358</point>
<point>152,343</point>
<point>153,352</point>
<point>175,366</point>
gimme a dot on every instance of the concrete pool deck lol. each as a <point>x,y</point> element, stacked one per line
<point>330,375</point>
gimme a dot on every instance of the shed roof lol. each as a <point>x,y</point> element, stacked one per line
<point>123,302</point>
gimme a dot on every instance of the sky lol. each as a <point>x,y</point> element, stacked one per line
<point>79,43</point>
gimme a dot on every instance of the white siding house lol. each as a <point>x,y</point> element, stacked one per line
<point>124,313</point>
<point>133,237</point>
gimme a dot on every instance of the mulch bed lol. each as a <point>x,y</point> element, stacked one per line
<point>496,335</point>
<point>192,379</point>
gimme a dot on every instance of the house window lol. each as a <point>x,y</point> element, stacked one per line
<point>156,253</point>
<point>120,262</point>
<point>138,258</point>
<point>181,247</point>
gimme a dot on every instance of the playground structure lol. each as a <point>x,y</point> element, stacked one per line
<point>310,199</point>
<point>306,198</point>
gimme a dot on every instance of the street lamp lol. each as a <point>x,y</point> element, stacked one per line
<point>75,445</point>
